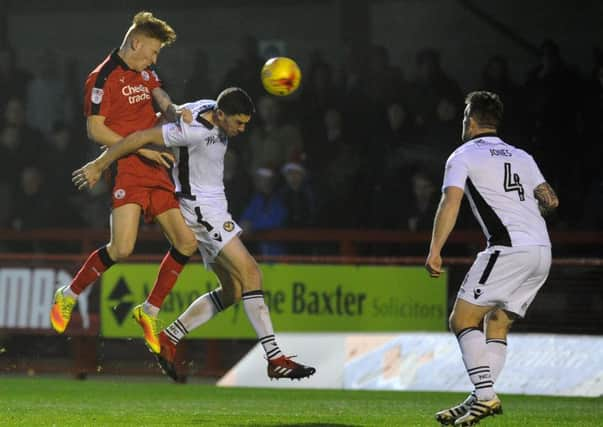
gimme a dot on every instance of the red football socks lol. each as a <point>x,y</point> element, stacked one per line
<point>95,265</point>
<point>170,268</point>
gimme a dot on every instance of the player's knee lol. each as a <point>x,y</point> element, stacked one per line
<point>120,252</point>
<point>231,294</point>
<point>499,322</point>
<point>451,322</point>
<point>253,276</point>
<point>228,297</point>
<point>186,244</point>
<point>459,321</point>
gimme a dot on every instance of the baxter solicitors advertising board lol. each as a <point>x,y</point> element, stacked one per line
<point>301,298</point>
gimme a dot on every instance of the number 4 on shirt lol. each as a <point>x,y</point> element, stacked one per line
<point>512,182</point>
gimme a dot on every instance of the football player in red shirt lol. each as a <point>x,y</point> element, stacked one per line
<point>118,101</point>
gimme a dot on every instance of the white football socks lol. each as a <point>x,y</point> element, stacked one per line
<point>199,312</point>
<point>259,316</point>
<point>497,353</point>
<point>477,362</point>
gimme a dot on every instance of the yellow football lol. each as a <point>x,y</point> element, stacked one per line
<point>281,76</point>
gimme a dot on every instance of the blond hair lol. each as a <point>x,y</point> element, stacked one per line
<point>148,25</point>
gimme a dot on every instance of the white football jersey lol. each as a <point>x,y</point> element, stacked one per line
<point>199,148</point>
<point>499,181</point>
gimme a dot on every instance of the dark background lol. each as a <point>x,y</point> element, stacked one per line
<point>366,66</point>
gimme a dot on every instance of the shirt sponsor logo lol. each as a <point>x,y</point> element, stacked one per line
<point>136,94</point>
<point>97,95</point>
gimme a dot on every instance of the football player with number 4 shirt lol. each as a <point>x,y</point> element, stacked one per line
<point>119,97</point>
<point>199,149</point>
<point>508,196</point>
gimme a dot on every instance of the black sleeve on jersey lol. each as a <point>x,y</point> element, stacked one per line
<point>101,78</point>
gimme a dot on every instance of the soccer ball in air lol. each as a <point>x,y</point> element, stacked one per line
<point>281,76</point>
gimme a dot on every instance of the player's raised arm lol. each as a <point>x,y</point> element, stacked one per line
<point>547,199</point>
<point>89,174</point>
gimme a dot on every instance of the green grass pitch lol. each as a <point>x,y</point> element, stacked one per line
<point>128,401</point>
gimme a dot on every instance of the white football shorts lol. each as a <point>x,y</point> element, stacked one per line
<point>507,277</point>
<point>212,224</point>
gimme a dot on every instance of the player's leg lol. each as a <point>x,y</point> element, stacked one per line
<point>497,326</point>
<point>184,245</point>
<point>124,230</point>
<point>203,309</point>
<point>164,209</point>
<point>465,322</point>
<point>242,268</point>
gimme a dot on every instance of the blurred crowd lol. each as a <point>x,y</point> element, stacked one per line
<point>359,146</point>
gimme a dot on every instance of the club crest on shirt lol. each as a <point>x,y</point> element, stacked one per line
<point>119,194</point>
<point>228,226</point>
<point>145,75</point>
<point>97,95</point>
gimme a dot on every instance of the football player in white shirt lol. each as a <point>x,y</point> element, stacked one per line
<point>199,148</point>
<point>508,196</point>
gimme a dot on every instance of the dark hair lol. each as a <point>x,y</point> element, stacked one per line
<point>235,100</point>
<point>486,108</point>
<point>155,28</point>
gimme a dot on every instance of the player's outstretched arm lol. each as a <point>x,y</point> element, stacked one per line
<point>99,132</point>
<point>169,110</point>
<point>547,199</point>
<point>445,219</point>
<point>89,174</point>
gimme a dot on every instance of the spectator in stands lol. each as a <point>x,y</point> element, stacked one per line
<point>72,98</point>
<point>593,205</point>
<point>338,174</point>
<point>245,72</point>
<point>63,148</point>
<point>496,78</point>
<point>19,143</point>
<point>553,102</point>
<point>423,203</point>
<point>237,183</point>
<point>431,85</point>
<point>298,196</point>
<point>593,118</point>
<point>440,130</point>
<point>403,144</point>
<point>198,85</point>
<point>265,211</point>
<point>318,94</point>
<point>33,205</point>
<point>386,83</point>
<point>45,94</point>
<point>272,142</point>
<point>13,80</point>
<point>319,91</point>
